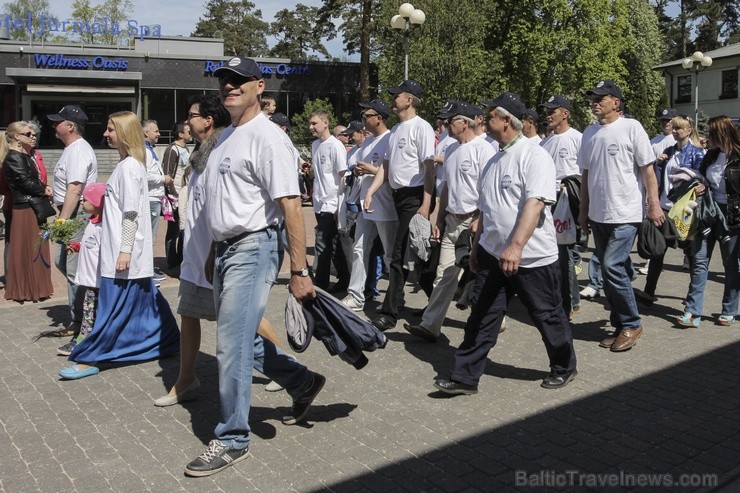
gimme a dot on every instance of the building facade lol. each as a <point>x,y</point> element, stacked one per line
<point>154,79</point>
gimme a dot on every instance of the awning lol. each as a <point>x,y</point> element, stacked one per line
<point>58,88</point>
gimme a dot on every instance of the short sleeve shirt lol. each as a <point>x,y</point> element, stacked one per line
<point>329,158</point>
<point>410,144</point>
<point>88,260</point>
<point>76,164</point>
<point>197,235</point>
<point>373,151</point>
<point>612,154</point>
<point>463,163</point>
<point>509,179</point>
<point>253,164</point>
<point>563,148</point>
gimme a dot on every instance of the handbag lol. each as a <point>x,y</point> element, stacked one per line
<point>682,215</point>
<point>562,218</point>
<point>42,208</point>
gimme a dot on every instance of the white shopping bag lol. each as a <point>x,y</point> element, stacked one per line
<point>565,225</point>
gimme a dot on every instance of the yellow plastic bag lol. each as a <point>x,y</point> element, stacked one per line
<point>682,215</point>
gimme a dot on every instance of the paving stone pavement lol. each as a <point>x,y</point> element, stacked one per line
<point>667,408</point>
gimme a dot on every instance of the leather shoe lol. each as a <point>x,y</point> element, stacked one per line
<point>553,381</point>
<point>420,331</point>
<point>384,322</point>
<point>626,339</point>
<point>189,393</point>
<point>608,342</point>
<point>455,388</point>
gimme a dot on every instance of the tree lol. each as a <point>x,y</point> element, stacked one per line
<point>300,133</point>
<point>92,18</point>
<point>238,23</point>
<point>19,9</point>
<point>298,34</point>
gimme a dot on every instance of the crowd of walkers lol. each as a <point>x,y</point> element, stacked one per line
<point>468,204</point>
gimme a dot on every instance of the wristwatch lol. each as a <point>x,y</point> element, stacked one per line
<point>303,272</point>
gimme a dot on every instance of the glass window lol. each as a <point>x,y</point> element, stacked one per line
<point>684,89</point>
<point>729,84</point>
<point>159,104</point>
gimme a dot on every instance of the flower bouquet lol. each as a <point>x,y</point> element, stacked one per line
<point>62,231</point>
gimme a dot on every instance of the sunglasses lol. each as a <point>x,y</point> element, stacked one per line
<point>29,134</point>
<point>367,116</point>
<point>234,79</point>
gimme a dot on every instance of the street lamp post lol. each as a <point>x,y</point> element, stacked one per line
<point>407,15</point>
<point>696,62</point>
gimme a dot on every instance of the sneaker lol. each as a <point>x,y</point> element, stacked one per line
<point>644,270</point>
<point>350,302</point>
<point>159,276</point>
<point>687,320</point>
<point>216,458</point>
<point>302,404</point>
<point>590,293</point>
<point>273,386</point>
<point>725,320</point>
<point>66,350</point>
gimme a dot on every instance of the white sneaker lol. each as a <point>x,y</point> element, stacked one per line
<point>273,386</point>
<point>590,293</point>
<point>352,304</point>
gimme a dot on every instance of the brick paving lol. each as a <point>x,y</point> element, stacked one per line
<point>667,407</point>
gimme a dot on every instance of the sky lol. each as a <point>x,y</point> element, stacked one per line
<point>179,17</point>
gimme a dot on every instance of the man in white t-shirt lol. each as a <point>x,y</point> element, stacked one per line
<point>458,208</point>
<point>530,121</point>
<point>563,143</point>
<point>514,251</point>
<point>77,167</point>
<point>665,138</point>
<point>329,161</point>
<point>251,185</point>
<point>408,167</point>
<point>616,160</point>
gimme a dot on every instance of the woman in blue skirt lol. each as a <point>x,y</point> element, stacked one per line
<point>133,321</point>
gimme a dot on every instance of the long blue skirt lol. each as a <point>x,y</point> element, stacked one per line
<point>133,323</point>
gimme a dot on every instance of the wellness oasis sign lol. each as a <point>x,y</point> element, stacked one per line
<point>41,24</point>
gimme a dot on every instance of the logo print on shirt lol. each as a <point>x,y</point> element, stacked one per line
<point>108,190</point>
<point>466,165</point>
<point>506,182</point>
<point>197,193</point>
<point>375,158</point>
<point>613,149</point>
<point>401,143</point>
<point>225,166</point>
<point>563,152</point>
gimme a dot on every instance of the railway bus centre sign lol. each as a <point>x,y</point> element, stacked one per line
<point>41,24</point>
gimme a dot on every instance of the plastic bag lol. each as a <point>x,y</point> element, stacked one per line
<point>682,215</point>
<point>565,225</point>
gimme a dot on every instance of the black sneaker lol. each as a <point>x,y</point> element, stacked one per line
<point>302,404</point>
<point>66,350</point>
<point>216,457</point>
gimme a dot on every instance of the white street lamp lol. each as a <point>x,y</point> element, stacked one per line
<point>406,16</point>
<point>696,62</point>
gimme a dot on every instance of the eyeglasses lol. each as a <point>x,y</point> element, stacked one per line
<point>367,116</point>
<point>234,79</point>
<point>29,134</point>
<point>192,115</point>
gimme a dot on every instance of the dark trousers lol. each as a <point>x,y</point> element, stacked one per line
<point>327,242</point>
<point>539,290</point>
<point>407,201</point>
<point>569,290</point>
<point>173,241</point>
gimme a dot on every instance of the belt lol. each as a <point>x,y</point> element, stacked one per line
<point>239,237</point>
<point>463,216</point>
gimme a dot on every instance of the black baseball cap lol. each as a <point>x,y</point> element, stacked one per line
<point>410,86</point>
<point>379,106</point>
<point>280,119</point>
<point>668,114</point>
<point>457,108</point>
<point>509,101</point>
<point>557,101</point>
<point>531,113</point>
<point>606,88</point>
<point>240,65</point>
<point>71,113</point>
<point>352,127</point>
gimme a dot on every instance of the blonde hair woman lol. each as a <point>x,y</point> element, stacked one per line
<point>28,274</point>
<point>134,321</point>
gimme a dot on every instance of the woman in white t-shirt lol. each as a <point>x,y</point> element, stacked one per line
<point>134,321</point>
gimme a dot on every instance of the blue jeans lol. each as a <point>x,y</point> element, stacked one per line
<point>596,279</point>
<point>613,246</point>
<point>244,271</point>
<point>66,262</point>
<point>155,209</point>
<point>700,253</point>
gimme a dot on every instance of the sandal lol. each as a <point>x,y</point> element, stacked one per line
<point>688,321</point>
<point>725,320</point>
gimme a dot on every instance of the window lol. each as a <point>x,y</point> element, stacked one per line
<point>729,84</point>
<point>684,89</point>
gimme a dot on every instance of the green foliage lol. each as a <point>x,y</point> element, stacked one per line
<point>298,34</point>
<point>238,23</point>
<point>18,10</point>
<point>299,132</point>
<point>117,11</point>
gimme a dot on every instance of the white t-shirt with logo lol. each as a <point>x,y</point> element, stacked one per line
<point>197,235</point>
<point>612,154</point>
<point>88,260</point>
<point>509,179</point>
<point>127,191</point>
<point>563,148</point>
<point>463,163</point>
<point>445,141</point>
<point>373,151</point>
<point>662,142</point>
<point>76,164</point>
<point>410,144</point>
<point>253,164</point>
<point>329,159</point>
